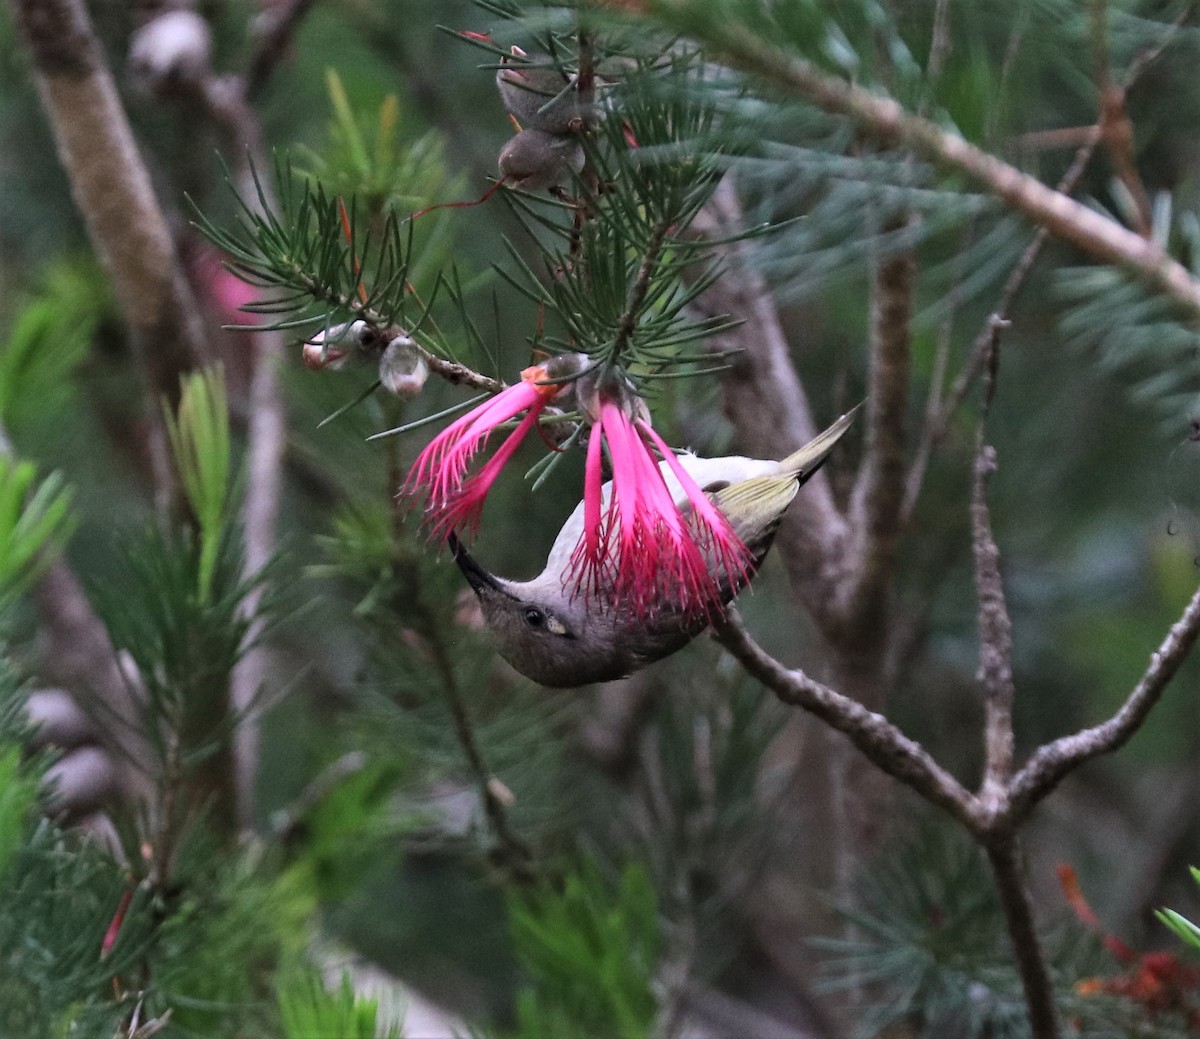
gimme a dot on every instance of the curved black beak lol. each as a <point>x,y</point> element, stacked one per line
<point>477,577</point>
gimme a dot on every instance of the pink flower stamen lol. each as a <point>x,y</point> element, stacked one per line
<point>639,550</point>
<point>452,499</point>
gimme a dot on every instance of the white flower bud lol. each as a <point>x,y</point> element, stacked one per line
<point>535,159</point>
<point>402,369</point>
<point>342,346</point>
<point>175,45</point>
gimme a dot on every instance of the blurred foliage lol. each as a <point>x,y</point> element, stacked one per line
<point>309,1009</point>
<point>199,437</point>
<point>33,517</point>
<point>1183,927</point>
<point>931,945</point>
<point>591,950</point>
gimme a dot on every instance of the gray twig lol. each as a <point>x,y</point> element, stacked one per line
<point>995,637</point>
<point>1052,762</point>
<point>1008,871</point>
<point>886,120</point>
<point>876,737</point>
<point>274,28</point>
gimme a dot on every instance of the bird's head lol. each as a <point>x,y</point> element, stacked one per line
<point>554,638</point>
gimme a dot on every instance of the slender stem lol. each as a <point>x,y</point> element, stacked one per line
<point>1006,861</point>
<point>1052,762</point>
<point>277,24</point>
<point>515,853</point>
<point>941,413</point>
<point>876,737</point>
<point>627,323</point>
<point>887,120</point>
<point>459,374</point>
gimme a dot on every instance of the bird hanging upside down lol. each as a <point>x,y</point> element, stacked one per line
<point>561,634</point>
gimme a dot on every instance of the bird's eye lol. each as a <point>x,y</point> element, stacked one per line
<point>534,617</point>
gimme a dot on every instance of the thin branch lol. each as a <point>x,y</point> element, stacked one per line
<point>266,441</point>
<point>1145,58</point>
<point>454,372</point>
<point>628,321</point>
<point>887,120</point>
<point>287,822</point>
<point>1007,868</point>
<point>513,852</point>
<point>995,637</point>
<point>1116,128</point>
<point>876,737</point>
<point>1051,763</point>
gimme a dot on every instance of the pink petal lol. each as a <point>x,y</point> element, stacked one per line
<point>464,507</point>
<point>439,474</point>
<point>639,551</point>
<point>711,529</point>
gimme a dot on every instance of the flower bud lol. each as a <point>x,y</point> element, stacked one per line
<point>535,159</point>
<point>342,346</point>
<point>175,45</point>
<point>613,385</point>
<point>540,98</point>
<point>402,369</point>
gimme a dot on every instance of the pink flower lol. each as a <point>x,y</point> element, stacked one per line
<point>639,549</point>
<point>452,498</point>
<point>223,290</point>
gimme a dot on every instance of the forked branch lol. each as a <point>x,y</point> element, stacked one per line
<point>1051,763</point>
<point>876,737</point>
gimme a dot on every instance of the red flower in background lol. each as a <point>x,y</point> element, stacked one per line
<point>1158,982</point>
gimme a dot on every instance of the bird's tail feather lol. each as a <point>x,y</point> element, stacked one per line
<point>810,457</point>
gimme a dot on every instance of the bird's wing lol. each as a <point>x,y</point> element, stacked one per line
<point>754,508</point>
<point>709,473</point>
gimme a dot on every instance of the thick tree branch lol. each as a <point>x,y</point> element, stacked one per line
<point>112,189</point>
<point>876,737</point>
<point>879,492</point>
<point>767,405</point>
<point>1051,763</point>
